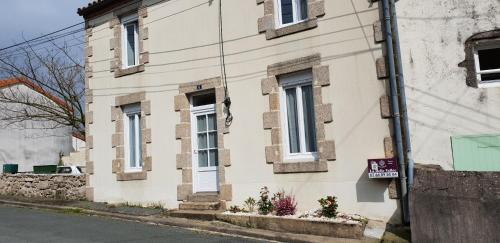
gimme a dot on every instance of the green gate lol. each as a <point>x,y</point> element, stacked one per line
<point>476,153</point>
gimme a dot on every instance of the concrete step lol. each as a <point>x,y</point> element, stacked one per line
<point>208,215</point>
<point>200,206</point>
<point>204,197</point>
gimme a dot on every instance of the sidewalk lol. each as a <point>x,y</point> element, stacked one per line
<point>160,216</point>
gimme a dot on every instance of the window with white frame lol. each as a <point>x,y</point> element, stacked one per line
<point>298,118</point>
<point>487,63</point>
<point>132,132</point>
<point>130,41</point>
<point>291,11</point>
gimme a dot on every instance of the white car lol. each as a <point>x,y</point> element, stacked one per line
<point>69,170</point>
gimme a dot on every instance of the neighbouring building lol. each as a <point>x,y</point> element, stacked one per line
<point>30,142</point>
<point>308,105</point>
<point>451,58</point>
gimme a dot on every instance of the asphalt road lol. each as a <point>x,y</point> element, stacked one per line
<point>31,225</point>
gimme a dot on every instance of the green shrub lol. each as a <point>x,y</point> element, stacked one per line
<point>265,204</point>
<point>328,206</point>
<point>250,204</point>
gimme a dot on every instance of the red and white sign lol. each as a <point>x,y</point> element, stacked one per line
<point>383,168</point>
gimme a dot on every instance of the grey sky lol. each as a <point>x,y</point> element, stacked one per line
<point>33,18</point>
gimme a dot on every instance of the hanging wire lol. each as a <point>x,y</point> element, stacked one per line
<point>227,99</point>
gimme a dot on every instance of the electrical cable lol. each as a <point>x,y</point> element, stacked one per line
<point>227,99</point>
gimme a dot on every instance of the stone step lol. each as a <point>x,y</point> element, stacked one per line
<point>208,215</point>
<point>200,206</point>
<point>204,197</point>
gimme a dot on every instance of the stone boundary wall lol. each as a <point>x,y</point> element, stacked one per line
<point>455,206</point>
<point>51,187</point>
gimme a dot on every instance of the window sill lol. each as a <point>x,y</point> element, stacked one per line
<point>120,72</point>
<point>132,176</point>
<point>292,28</point>
<point>300,167</point>
<point>488,84</point>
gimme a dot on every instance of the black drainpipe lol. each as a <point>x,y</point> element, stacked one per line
<point>395,111</point>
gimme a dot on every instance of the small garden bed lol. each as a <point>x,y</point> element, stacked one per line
<point>279,213</point>
<point>337,227</point>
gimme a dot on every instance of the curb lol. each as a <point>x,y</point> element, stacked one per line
<point>193,225</point>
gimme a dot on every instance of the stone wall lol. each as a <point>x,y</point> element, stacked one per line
<point>455,206</point>
<point>53,187</point>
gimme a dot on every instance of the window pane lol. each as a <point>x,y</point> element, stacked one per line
<point>212,122</point>
<point>202,158</point>
<point>202,141</point>
<point>309,119</point>
<point>202,123</point>
<point>139,138</point>
<point>212,140</point>
<point>214,157</point>
<point>303,9</point>
<point>489,59</point>
<point>490,77</point>
<point>204,99</point>
<point>292,117</point>
<point>131,140</point>
<point>286,11</point>
<point>130,29</point>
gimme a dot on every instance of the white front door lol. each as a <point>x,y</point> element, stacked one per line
<point>205,154</point>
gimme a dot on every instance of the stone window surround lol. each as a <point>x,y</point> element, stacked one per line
<point>117,139</point>
<point>183,133</point>
<point>115,44</point>
<point>323,115</point>
<point>267,23</point>
<point>478,39</point>
<point>89,118</point>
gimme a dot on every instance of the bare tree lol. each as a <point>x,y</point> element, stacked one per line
<point>57,74</point>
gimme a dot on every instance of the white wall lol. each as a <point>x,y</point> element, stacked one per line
<point>440,104</point>
<point>345,40</point>
<point>28,145</point>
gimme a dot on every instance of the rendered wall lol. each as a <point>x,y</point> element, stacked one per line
<point>32,143</point>
<point>449,206</point>
<point>182,45</point>
<point>440,104</point>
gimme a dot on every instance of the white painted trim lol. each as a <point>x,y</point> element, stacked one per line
<point>296,14</point>
<point>134,110</point>
<point>295,81</point>
<point>125,21</point>
<point>198,111</point>
<point>479,72</point>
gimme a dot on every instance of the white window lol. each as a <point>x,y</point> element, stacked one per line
<point>291,11</point>
<point>487,61</point>
<point>132,132</point>
<point>130,41</point>
<point>298,119</point>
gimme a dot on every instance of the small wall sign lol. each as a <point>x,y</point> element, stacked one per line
<point>382,168</point>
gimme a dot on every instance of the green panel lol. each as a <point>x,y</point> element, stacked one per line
<point>10,168</point>
<point>476,153</point>
<point>44,169</point>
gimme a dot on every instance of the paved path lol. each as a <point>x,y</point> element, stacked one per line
<point>30,225</point>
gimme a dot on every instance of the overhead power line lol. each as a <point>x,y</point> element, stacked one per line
<point>37,38</point>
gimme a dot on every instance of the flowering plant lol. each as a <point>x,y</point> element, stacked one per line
<point>328,206</point>
<point>264,204</point>
<point>284,204</point>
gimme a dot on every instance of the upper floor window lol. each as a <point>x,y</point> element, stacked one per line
<point>487,63</point>
<point>130,41</point>
<point>291,11</point>
<point>298,117</point>
<point>132,132</point>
